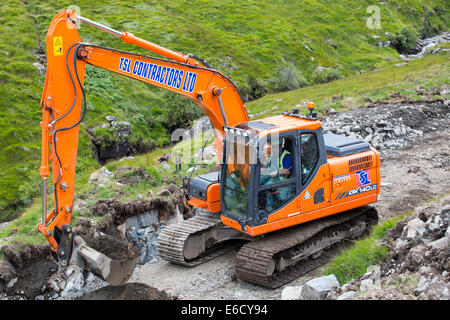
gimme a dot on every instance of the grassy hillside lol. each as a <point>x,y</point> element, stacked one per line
<point>430,72</point>
<point>261,45</point>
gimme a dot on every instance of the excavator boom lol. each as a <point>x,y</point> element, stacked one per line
<point>63,104</point>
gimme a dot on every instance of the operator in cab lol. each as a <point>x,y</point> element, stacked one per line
<point>278,167</point>
<point>275,168</point>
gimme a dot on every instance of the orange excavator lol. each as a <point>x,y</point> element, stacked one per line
<point>287,193</point>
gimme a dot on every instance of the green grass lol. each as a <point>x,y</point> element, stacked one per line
<point>353,262</point>
<point>247,40</point>
<point>431,71</point>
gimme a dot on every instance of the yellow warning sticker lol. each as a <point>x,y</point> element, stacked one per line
<point>57,46</point>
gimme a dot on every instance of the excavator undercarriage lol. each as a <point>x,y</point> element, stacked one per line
<point>271,260</point>
<point>198,240</point>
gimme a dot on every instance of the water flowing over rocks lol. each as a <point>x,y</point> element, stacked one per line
<point>425,44</point>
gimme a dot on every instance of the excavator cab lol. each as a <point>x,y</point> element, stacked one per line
<point>260,172</point>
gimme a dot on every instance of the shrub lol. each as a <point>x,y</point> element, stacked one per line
<point>179,111</point>
<point>325,75</point>
<point>106,136</point>
<point>287,77</point>
<point>404,41</point>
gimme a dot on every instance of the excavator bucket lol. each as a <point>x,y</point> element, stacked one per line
<point>115,272</point>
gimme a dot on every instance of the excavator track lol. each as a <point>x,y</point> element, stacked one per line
<point>281,257</point>
<point>174,239</point>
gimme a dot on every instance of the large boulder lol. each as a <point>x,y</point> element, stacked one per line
<point>323,284</point>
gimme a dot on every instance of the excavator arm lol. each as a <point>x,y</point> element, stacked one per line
<point>64,103</point>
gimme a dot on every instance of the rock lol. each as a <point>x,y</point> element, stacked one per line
<point>74,282</point>
<point>131,234</point>
<point>375,272</point>
<point>425,270</point>
<point>416,227</point>
<point>164,158</point>
<point>40,68</point>
<point>201,126</point>
<point>368,138</point>
<point>323,284</point>
<point>365,285</point>
<point>62,284</point>
<point>347,295</point>
<point>304,292</point>
<point>102,175</point>
<point>349,287</point>
<point>164,193</point>
<point>440,244</point>
<point>148,218</point>
<point>54,285</point>
<point>89,278</point>
<point>331,111</point>
<point>111,118</point>
<point>435,289</point>
<point>291,293</point>
<point>150,194</point>
<point>416,255</point>
<point>421,286</point>
<point>386,184</point>
<point>309,293</point>
<point>331,44</point>
<point>11,283</point>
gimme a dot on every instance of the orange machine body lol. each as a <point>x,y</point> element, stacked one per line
<point>214,93</point>
<point>348,182</point>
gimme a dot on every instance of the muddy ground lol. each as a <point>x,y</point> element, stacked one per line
<point>410,176</point>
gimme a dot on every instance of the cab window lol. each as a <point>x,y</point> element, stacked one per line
<point>278,163</point>
<point>277,175</point>
<point>309,153</point>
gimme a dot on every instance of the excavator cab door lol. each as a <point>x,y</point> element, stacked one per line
<point>278,177</point>
<point>291,170</point>
<point>314,171</point>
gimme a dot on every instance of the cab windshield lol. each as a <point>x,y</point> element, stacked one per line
<point>238,162</point>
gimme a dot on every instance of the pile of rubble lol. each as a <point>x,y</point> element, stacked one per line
<point>391,124</point>
<point>29,272</point>
<point>417,267</point>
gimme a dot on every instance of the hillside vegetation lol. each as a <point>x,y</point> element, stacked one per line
<point>264,46</point>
